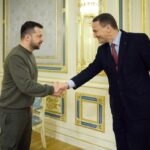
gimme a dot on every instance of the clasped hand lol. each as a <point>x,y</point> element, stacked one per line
<point>59,88</point>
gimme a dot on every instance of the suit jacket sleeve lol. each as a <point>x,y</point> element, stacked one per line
<point>145,50</point>
<point>88,73</point>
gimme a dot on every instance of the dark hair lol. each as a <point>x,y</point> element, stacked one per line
<point>28,27</point>
<point>105,19</point>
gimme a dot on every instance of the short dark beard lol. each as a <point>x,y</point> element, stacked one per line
<point>33,46</point>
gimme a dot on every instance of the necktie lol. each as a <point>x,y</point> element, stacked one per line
<point>114,54</point>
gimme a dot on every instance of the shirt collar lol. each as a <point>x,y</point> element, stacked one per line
<point>116,41</point>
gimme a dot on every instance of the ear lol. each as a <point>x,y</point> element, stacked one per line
<point>27,37</point>
<point>108,28</point>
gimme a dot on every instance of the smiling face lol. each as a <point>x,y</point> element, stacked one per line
<point>101,32</point>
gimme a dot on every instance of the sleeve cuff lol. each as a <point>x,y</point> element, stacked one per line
<point>71,84</point>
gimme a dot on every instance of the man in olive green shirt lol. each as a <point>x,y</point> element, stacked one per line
<point>19,87</point>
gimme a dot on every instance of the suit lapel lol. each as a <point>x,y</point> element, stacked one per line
<point>122,49</point>
<point>110,60</point>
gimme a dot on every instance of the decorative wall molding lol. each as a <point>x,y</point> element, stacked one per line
<point>56,107</point>
<point>53,52</point>
<point>90,111</point>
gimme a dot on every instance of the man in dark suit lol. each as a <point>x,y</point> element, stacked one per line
<point>125,57</point>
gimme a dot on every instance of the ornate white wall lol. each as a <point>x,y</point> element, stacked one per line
<point>74,118</point>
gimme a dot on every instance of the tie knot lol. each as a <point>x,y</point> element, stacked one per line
<point>112,45</point>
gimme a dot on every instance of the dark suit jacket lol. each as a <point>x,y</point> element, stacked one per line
<point>129,88</point>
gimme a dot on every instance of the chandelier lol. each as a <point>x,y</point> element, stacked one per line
<point>89,7</point>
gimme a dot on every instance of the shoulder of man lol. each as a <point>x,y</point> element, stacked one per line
<point>135,34</point>
<point>15,53</point>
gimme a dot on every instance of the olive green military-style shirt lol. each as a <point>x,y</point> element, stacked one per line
<point>19,85</point>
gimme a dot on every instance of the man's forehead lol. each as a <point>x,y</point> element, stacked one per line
<point>38,30</point>
<point>95,27</point>
<point>96,23</point>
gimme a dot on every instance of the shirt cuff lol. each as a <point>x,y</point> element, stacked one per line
<point>71,84</point>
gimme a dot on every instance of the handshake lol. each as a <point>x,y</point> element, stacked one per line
<point>59,88</point>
